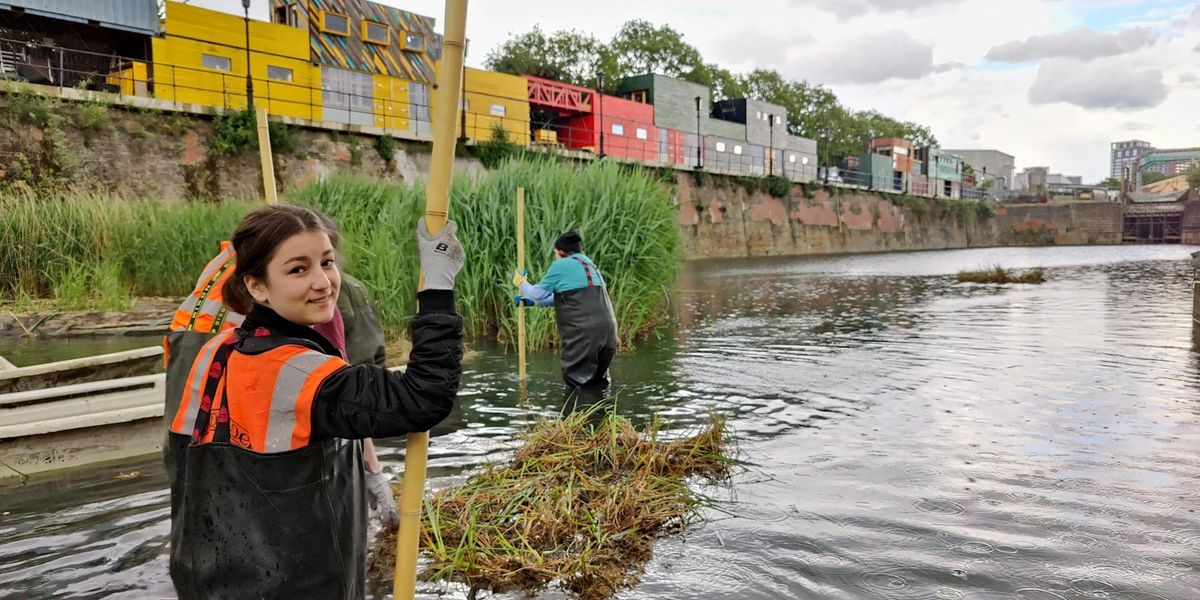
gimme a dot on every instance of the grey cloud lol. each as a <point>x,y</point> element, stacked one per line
<point>848,9</point>
<point>894,55</point>
<point>1084,44</point>
<point>1188,78</point>
<point>1105,83</point>
<point>948,66</point>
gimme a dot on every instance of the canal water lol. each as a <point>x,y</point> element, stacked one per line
<point>903,436</point>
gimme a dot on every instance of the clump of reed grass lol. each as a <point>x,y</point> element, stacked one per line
<point>90,250</point>
<point>999,274</point>
<point>579,507</point>
<point>625,216</point>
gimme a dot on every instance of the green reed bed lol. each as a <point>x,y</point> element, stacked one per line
<point>579,507</point>
<point>89,251</point>
<point>625,216</point>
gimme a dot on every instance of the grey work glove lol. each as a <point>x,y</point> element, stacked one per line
<point>441,255</point>
<point>380,498</point>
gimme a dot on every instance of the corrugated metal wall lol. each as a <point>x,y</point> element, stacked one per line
<point>140,16</point>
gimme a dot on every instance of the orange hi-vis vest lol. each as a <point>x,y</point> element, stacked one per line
<point>204,310</point>
<point>264,398</point>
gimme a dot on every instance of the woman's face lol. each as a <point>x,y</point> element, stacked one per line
<point>302,280</point>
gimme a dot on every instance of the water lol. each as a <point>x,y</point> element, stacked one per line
<point>905,437</point>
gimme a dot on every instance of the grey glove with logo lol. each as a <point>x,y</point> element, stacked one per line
<point>380,498</point>
<point>442,255</point>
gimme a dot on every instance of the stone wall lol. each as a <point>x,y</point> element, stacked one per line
<point>151,154</point>
<point>724,220</point>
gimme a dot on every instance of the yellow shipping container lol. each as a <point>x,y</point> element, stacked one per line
<point>201,59</point>
<point>494,99</point>
<point>392,110</point>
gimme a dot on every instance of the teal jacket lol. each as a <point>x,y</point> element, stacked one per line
<point>564,275</point>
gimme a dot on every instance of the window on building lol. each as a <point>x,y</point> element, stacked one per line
<point>640,133</point>
<point>804,161</point>
<point>737,149</point>
<point>219,63</point>
<point>640,96</point>
<point>778,120</point>
<point>376,33</point>
<point>791,158</point>
<point>758,115</point>
<point>497,110</point>
<point>286,15</point>
<point>413,42</point>
<point>279,73</point>
<point>720,146</point>
<point>618,129</point>
<point>335,23</point>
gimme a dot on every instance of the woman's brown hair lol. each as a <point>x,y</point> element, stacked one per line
<point>255,241</point>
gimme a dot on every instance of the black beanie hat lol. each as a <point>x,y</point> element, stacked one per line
<point>569,242</point>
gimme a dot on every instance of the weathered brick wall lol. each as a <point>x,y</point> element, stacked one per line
<point>723,220</point>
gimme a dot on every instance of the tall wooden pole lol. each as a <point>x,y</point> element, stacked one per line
<point>264,154</point>
<point>521,268</point>
<point>437,206</point>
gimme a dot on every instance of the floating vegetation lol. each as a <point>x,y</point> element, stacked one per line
<point>579,507</point>
<point>999,274</point>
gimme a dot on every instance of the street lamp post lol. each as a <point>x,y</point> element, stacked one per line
<point>600,109</point>
<point>699,137</point>
<point>249,79</point>
<point>770,145</point>
<point>825,132</point>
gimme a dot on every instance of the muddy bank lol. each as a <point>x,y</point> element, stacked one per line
<point>149,317</point>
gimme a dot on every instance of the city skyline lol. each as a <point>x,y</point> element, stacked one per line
<point>1051,82</point>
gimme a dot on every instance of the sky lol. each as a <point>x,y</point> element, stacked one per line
<point>1051,82</point>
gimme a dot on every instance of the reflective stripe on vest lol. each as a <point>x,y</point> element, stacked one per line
<point>189,406</point>
<point>266,397</point>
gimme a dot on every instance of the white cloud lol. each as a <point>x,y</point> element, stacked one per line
<point>1106,83</point>
<point>849,9</point>
<point>1083,44</point>
<point>1188,78</point>
<point>893,55</point>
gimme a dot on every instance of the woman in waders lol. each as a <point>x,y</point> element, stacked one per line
<point>584,315</point>
<point>268,498</point>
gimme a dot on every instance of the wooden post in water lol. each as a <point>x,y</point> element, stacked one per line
<point>1195,290</point>
<point>264,153</point>
<point>437,207</point>
<point>521,269</point>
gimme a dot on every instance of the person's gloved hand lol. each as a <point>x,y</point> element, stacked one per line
<point>441,255</point>
<point>518,300</point>
<point>379,497</point>
<point>520,277</point>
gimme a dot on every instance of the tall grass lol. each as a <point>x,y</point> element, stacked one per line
<point>626,219</point>
<point>92,251</point>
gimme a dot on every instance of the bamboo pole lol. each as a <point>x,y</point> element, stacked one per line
<point>437,206</point>
<point>264,153</point>
<point>521,269</point>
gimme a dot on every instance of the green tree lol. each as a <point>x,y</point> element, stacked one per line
<point>568,56</point>
<point>640,48</point>
<point>1111,182</point>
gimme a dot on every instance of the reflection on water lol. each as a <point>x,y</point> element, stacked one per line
<point>905,437</point>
